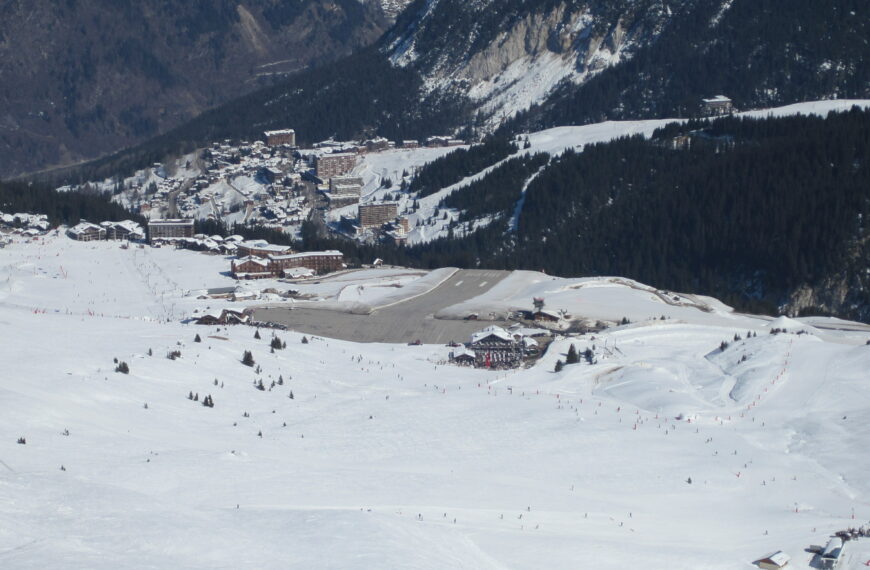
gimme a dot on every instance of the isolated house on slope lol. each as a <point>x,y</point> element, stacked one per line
<point>717,106</point>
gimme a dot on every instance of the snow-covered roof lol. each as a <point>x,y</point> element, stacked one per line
<point>171,222</point>
<point>304,254</point>
<point>779,558</point>
<point>264,245</point>
<point>491,330</point>
<point>83,227</point>
<point>549,313</point>
<point>253,259</point>
<point>718,99</point>
<point>463,351</point>
<point>279,132</point>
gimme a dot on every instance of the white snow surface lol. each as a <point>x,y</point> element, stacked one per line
<point>392,459</point>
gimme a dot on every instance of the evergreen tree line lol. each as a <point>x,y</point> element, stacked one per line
<point>747,211</point>
<point>453,167</point>
<point>61,207</point>
<point>498,191</point>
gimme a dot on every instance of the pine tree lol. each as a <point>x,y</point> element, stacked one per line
<point>122,368</point>
<point>572,357</point>
<point>257,334</point>
<point>559,366</point>
<point>304,340</point>
<point>248,358</point>
<point>291,395</point>
<point>196,338</point>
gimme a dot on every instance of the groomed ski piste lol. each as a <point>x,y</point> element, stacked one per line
<point>667,452</point>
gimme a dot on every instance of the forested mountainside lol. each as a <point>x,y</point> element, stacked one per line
<point>470,67</point>
<point>80,78</point>
<point>763,213</point>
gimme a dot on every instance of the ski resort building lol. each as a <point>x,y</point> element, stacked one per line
<point>342,185</point>
<point>317,261</point>
<point>376,215</point>
<point>127,229</point>
<point>261,248</point>
<point>717,106</point>
<point>169,229</point>
<point>494,347</point>
<point>251,267</point>
<point>279,137</point>
<point>329,165</point>
<point>86,231</point>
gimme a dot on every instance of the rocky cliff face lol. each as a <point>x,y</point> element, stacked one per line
<point>79,78</point>
<point>577,61</point>
<point>518,53</point>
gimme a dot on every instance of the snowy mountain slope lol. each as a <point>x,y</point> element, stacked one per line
<point>556,140</point>
<point>406,462</point>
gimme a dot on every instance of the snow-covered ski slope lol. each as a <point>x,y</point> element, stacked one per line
<point>554,141</point>
<point>390,458</point>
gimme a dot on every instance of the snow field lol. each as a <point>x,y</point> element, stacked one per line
<point>587,467</point>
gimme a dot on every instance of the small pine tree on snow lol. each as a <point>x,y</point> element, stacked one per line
<point>723,345</point>
<point>559,366</point>
<point>248,358</point>
<point>257,334</point>
<point>276,343</point>
<point>190,395</point>
<point>150,352</point>
<point>260,433</point>
<point>196,397</point>
<point>145,406</point>
<point>572,357</point>
<point>215,382</point>
<point>587,354</point>
<point>624,321</point>
<point>115,360</point>
<point>122,368</point>
<point>272,350</point>
<point>291,394</point>
<point>260,385</point>
<point>280,380</point>
<point>304,340</point>
<point>736,337</point>
<point>196,338</point>
<point>22,441</point>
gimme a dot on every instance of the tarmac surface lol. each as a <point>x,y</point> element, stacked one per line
<point>404,322</point>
